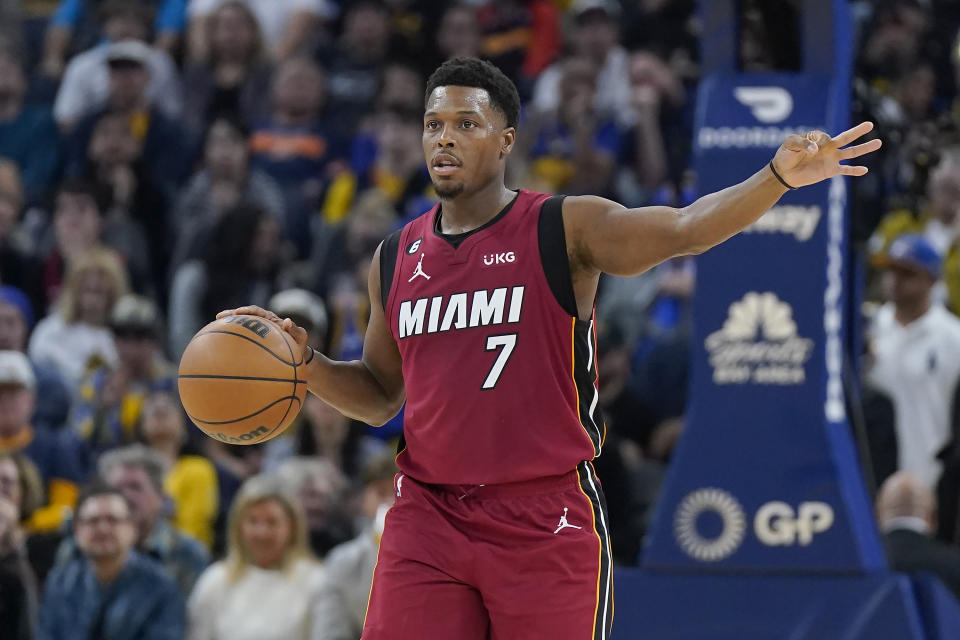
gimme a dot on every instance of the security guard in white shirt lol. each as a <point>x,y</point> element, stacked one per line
<point>916,343</point>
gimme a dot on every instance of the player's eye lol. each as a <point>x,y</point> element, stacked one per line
<point>432,124</point>
<point>469,124</point>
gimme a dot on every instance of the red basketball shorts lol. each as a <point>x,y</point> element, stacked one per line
<point>527,560</point>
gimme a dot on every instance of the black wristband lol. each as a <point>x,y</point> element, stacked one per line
<point>313,352</point>
<point>777,176</point>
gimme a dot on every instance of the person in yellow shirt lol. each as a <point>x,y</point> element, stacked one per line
<point>191,481</point>
<point>936,220</point>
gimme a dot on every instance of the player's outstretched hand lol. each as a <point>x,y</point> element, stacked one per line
<point>803,160</point>
<point>299,334</point>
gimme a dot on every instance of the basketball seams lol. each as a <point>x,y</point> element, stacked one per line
<point>276,404</point>
<point>251,341</point>
<point>286,341</point>
<point>247,417</point>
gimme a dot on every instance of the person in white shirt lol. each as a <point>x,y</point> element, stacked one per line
<point>916,344</point>
<point>266,587</point>
<point>86,81</point>
<point>286,25</point>
<point>75,338</point>
<point>594,35</point>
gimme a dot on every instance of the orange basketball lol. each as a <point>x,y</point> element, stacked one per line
<point>241,379</point>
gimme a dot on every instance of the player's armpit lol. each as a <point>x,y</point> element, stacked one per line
<point>380,353</point>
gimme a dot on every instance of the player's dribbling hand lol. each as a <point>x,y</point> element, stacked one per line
<point>804,160</point>
<point>298,333</point>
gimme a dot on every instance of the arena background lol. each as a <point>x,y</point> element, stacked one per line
<point>161,160</point>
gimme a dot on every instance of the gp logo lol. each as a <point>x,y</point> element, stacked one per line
<point>776,524</point>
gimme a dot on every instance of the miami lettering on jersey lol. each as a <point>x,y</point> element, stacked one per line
<point>466,310</point>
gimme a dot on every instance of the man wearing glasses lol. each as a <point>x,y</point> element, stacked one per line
<point>111,592</point>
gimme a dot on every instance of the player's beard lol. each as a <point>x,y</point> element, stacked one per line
<point>448,192</point>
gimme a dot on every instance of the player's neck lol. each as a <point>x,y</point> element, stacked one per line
<point>467,212</point>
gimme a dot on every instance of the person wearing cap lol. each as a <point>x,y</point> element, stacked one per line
<point>916,345</point>
<point>16,321</point>
<point>593,34</point>
<point>107,409</point>
<point>86,82</point>
<point>162,141</point>
<point>308,311</point>
<point>56,454</point>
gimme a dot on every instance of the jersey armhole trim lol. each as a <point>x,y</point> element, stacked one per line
<point>388,265</point>
<point>553,254</point>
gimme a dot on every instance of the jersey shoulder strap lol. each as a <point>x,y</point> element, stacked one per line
<point>388,264</point>
<point>553,253</point>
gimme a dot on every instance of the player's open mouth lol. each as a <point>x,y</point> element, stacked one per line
<point>445,164</point>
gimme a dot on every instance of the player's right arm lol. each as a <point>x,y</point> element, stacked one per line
<point>369,389</point>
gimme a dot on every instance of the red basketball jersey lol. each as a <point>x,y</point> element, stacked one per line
<point>500,375</point>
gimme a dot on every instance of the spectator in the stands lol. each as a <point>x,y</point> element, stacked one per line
<point>21,485</point>
<point>341,605</point>
<point>594,35</point>
<point>287,25</point>
<point>521,37</point>
<point>87,81</point>
<point>135,217</point>
<point>268,583</point>
<point>356,63</point>
<point>165,146</point>
<point>75,337</point>
<point>28,135</point>
<point>191,480</point>
<point>906,511</point>
<point>389,159</point>
<point>137,472</point>
<point>55,454</point>
<point>18,585</point>
<point>234,80</point>
<point>18,267</point>
<point>320,489</point>
<point>109,405</point>
<point>296,147</point>
<point>16,322</point>
<point>917,347</point>
<point>242,266</point>
<point>109,591</point>
<point>323,432</point>
<point>79,24</point>
<point>225,181</point>
<point>574,148</point>
<point>458,35</point>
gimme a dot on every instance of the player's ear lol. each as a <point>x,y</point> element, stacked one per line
<point>507,140</point>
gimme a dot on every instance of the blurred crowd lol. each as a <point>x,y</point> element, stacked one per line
<point>162,160</point>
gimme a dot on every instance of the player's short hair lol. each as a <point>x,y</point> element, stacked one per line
<point>473,72</point>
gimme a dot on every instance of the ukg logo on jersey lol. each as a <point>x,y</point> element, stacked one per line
<point>759,344</point>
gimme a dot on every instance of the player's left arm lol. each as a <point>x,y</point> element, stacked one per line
<point>603,236</point>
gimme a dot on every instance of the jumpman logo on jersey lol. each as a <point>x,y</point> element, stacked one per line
<point>419,270</point>
<point>564,524</point>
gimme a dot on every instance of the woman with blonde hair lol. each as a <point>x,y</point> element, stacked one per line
<point>266,586</point>
<point>75,338</point>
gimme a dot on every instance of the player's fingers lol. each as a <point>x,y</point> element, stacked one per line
<point>799,143</point>
<point>819,138</point>
<point>298,333</point>
<point>253,310</point>
<point>848,136</point>
<point>852,170</point>
<point>860,149</point>
<point>225,313</point>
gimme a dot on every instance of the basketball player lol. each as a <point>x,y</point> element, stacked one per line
<point>482,323</point>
